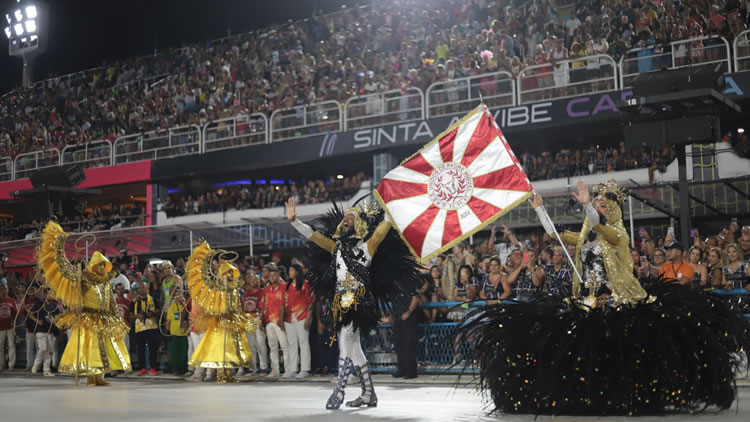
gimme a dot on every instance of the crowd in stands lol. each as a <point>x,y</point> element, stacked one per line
<point>110,216</point>
<point>392,45</point>
<point>255,196</point>
<point>501,266</point>
<point>595,160</point>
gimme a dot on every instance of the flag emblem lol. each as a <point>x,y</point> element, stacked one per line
<point>454,186</point>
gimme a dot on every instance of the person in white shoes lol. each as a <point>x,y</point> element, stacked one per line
<point>253,302</point>
<point>40,322</point>
<point>298,317</point>
<point>274,317</point>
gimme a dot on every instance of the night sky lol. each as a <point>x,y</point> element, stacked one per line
<point>84,33</point>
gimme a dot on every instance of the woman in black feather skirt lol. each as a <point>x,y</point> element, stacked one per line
<point>359,267</point>
<point>613,347</point>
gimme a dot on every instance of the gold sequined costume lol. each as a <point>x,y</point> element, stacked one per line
<point>224,344</point>
<point>96,344</point>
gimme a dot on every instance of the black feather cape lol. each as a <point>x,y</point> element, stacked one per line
<point>393,276</point>
<point>548,357</point>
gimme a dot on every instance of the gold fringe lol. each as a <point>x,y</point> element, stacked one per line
<point>104,325</point>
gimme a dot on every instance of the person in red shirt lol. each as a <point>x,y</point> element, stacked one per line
<point>275,294</point>
<point>253,302</point>
<point>123,307</point>
<point>27,303</point>
<point>8,311</point>
<point>297,319</point>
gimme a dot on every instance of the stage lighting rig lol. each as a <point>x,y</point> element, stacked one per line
<point>27,33</point>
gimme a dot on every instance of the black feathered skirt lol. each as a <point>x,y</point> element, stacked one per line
<point>678,353</point>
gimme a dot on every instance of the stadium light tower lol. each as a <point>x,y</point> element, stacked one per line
<point>26,29</point>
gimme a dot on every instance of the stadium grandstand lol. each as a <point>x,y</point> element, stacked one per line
<point>209,140</point>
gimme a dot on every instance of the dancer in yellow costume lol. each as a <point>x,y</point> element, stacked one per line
<point>224,345</point>
<point>96,345</point>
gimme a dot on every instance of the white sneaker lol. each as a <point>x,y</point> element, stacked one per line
<point>195,377</point>
<point>273,374</point>
<point>288,375</point>
<point>240,372</point>
<point>35,369</point>
<point>48,374</point>
<point>303,374</point>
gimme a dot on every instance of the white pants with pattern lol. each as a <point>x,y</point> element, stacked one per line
<point>350,345</point>
<point>31,349</point>
<point>8,336</point>
<point>299,344</point>
<point>276,338</point>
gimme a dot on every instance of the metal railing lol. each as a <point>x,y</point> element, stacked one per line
<point>374,110</point>
<point>235,132</point>
<point>567,78</point>
<point>6,169</point>
<point>461,95</point>
<point>698,51</point>
<point>26,163</point>
<point>92,154</point>
<point>166,143</point>
<point>301,121</point>
<point>741,47</point>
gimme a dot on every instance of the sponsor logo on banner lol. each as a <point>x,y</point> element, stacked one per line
<point>450,186</point>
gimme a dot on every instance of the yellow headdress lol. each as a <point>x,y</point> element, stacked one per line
<point>97,259</point>
<point>226,267</point>
<point>360,225</point>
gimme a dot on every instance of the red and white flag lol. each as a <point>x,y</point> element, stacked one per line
<point>454,186</point>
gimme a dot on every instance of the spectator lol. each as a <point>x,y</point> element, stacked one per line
<point>253,302</point>
<point>170,281</point>
<point>298,317</point>
<point>700,271</point>
<point>432,291</point>
<point>736,272</point>
<point>557,275</point>
<point>39,321</point>
<point>274,320</point>
<point>28,301</point>
<point>121,278</point>
<point>492,289</point>
<point>177,325</point>
<point>465,288</point>
<point>522,280</point>
<point>145,313</point>
<point>660,256</point>
<point>8,311</point>
<point>676,270</point>
<point>405,339</point>
<point>716,262</point>
<point>123,307</point>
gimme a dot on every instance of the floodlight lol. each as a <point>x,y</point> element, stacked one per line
<point>7,17</point>
<point>24,39</point>
<point>19,15</point>
<point>31,12</point>
<point>34,37</point>
<point>18,28</point>
<point>7,32</point>
<point>30,25</point>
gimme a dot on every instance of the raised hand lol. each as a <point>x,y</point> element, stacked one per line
<point>536,201</point>
<point>582,196</point>
<point>291,210</point>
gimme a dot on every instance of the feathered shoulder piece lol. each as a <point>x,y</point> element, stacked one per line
<point>206,284</point>
<point>63,277</point>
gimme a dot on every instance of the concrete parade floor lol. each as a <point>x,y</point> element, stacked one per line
<point>37,398</point>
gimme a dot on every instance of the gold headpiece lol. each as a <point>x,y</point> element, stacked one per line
<point>360,225</point>
<point>227,267</point>
<point>97,259</point>
<point>610,190</point>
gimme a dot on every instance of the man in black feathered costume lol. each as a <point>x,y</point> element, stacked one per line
<point>360,268</point>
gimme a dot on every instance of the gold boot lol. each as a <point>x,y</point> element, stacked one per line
<point>220,377</point>
<point>100,381</point>
<point>228,376</point>
<point>91,381</point>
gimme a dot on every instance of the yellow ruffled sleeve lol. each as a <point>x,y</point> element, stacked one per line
<point>209,293</point>
<point>62,276</point>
